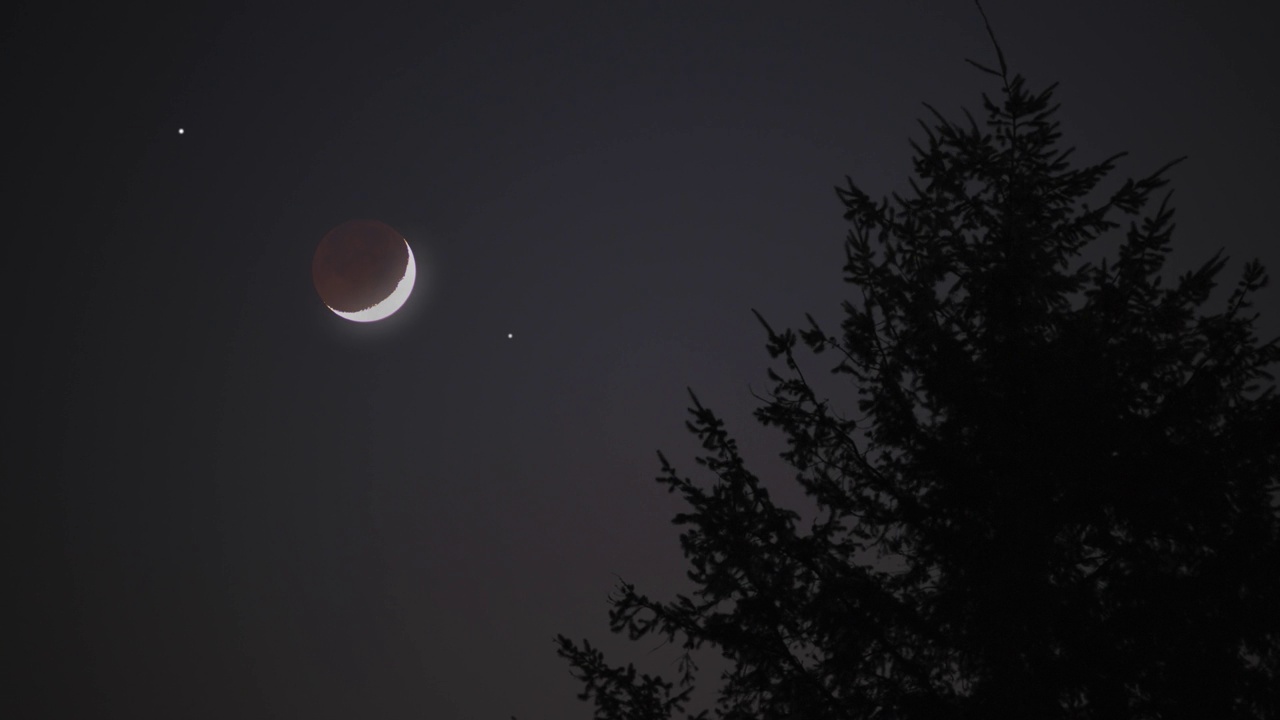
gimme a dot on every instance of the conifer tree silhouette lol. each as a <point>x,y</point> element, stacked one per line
<point>1077,465</point>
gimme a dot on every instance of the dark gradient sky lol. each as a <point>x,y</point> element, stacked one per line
<point>228,502</point>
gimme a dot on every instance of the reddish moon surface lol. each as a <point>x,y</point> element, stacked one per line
<point>358,264</point>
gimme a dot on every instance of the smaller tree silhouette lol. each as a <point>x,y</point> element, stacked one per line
<point>1076,465</point>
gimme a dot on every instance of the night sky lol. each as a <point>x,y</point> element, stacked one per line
<point>228,502</point>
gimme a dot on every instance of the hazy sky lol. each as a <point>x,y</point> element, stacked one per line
<point>231,503</point>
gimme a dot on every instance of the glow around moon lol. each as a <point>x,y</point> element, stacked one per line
<point>393,302</point>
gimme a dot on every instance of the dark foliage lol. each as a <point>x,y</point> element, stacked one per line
<point>1059,498</point>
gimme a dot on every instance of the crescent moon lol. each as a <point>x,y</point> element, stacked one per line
<point>363,270</point>
<point>392,302</point>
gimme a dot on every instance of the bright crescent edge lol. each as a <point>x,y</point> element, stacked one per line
<point>392,302</point>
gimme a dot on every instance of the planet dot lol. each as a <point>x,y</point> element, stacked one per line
<point>180,131</point>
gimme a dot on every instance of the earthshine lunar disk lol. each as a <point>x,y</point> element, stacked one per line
<point>363,270</point>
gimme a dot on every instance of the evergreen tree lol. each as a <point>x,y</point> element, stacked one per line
<point>1076,468</point>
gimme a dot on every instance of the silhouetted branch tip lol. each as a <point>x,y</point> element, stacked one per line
<point>1004,68</point>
